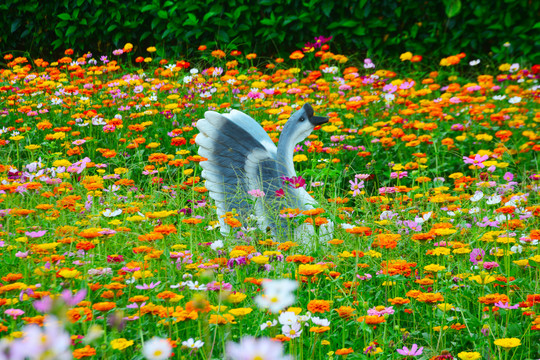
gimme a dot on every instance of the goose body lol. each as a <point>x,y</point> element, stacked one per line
<point>242,157</point>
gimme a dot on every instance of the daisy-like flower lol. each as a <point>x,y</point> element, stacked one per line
<point>478,160</point>
<point>250,348</point>
<point>157,349</point>
<point>413,351</point>
<point>277,295</point>
<point>192,344</point>
<point>292,331</point>
<point>269,323</point>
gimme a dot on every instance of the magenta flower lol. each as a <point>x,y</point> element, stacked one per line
<point>506,306</point>
<point>414,351</point>
<point>72,300</point>
<point>476,256</point>
<point>294,182</point>
<point>356,186</point>
<point>15,313</point>
<point>476,161</point>
<point>35,234</point>
<point>490,265</point>
<point>148,287</point>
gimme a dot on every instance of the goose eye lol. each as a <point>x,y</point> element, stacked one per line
<point>302,119</point>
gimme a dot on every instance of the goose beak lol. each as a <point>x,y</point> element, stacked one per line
<point>318,120</point>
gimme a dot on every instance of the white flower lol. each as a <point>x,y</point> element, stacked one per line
<point>287,318</point>
<point>218,244</point>
<point>187,79</point>
<point>250,348</point>
<point>514,100</point>
<point>493,199</point>
<point>474,210</point>
<point>499,97</point>
<point>192,344</point>
<point>514,67</point>
<point>477,196</point>
<point>157,349</point>
<point>474,62</point>
<point>320,322</point>
<point>194,285</point>
<point>108,213</point>
<point>193,71</point>
<point>502,218</point>
<point>423,219</point>
<point>292,331</point>
<point>268,324</point>
<point>517,249</point>
<point>277,295</point>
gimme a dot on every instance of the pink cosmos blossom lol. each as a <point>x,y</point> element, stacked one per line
<point>476,161</point>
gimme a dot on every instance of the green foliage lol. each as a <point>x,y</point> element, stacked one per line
<point>269,27</point>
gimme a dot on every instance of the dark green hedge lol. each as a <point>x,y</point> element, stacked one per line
<point>269,27</point>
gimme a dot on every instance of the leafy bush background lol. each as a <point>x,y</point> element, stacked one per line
<point>270,27</point>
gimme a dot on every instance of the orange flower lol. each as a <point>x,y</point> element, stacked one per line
<point>86,351</point>
<point>158,158</point>
<point>359,230</point>
<point>220,54</point>
<point>371,319</point>
<point>430,298</point>
<point>320,306</point>
<point>344,351</point>
<point>296,55</point>
<point>399,301</point>
<point>104,306</point>
<point>313,212</point>
<point>345,312</point>
<point>78,313</point>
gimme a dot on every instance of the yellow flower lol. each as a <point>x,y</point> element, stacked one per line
<point>69,274</point>
<point>240,311</point>
<point>434,268</point>
<point>445,307</point>
<point>237,297</point>
<point>260,260</point>
<point>300,158</point>
<point>121,344</point>
<point>483,279</point>
<point>508,343</point>
<point>151,49</point>
<point>406,56</point>
<point>466,355</point>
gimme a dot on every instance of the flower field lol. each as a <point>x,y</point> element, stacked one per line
<point>110,244</point>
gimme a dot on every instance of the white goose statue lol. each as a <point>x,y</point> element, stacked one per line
<point>242,157</point>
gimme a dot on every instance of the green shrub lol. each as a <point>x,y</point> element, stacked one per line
<point>269,27</point>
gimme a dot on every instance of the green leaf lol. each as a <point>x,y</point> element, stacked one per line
<point>239,10</point>
<point>536,26</point>
<point>452,7</point>
<point>162,14</point>
<point>15,25</point>
<point>83,22</point>
<point>147,8</point>
<point>327,7</point>
<point>64,16</point>
<point>75,14</point>
<point>71,30</point>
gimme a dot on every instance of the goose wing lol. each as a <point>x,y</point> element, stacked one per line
<point>241,157</point>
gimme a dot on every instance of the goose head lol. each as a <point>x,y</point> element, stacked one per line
<point>298,127</point>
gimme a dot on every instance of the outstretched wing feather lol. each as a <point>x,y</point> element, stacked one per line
<point>241,157</point>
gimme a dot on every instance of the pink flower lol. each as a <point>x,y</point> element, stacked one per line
<point>35,234</point>
<point>414,351</point>
<point>15,313</point>
<point>476,161</point>
<point>256,193</point>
